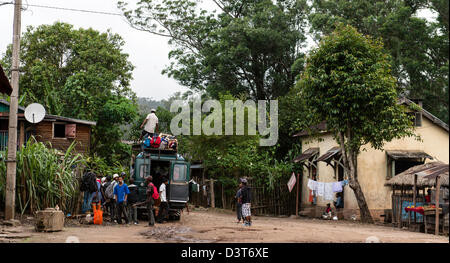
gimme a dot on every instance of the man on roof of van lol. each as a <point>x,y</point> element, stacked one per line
<point>150,124</point>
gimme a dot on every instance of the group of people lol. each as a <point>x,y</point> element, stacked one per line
<point>243,203</point>
<point>120,200</point>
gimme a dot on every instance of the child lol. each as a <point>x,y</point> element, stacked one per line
<point>328,212</point>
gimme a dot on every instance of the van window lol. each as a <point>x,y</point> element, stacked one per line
<point>142,172</point>
<point>179,172</point>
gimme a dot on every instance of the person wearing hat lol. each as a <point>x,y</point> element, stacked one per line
<point>150,124</point>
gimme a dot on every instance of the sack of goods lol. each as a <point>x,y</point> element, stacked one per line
<point>147,141</point>
<point>168,142</point>
<point>164,143</point>
<point>161,141</point>
<point>98,215</point>
<point>155,141</point>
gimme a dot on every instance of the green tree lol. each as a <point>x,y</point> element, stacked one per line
<point>79,73</point>
<point>348,83</point>
<point>247,48</point>
<point>419,48</point>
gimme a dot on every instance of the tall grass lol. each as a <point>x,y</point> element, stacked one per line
<point>45,177</point>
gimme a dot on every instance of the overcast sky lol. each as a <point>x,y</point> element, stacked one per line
<point>148,52</point>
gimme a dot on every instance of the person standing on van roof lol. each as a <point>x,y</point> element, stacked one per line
<point>164,206</point>
<point>151,124</point>
<point>121,193</point>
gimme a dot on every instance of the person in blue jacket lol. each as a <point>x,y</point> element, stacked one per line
<point>121,192</point>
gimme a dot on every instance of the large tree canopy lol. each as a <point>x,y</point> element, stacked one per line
<point>348,83</point>
<point>419,48</point>
<point>79,73</point>
<point>248,48</point>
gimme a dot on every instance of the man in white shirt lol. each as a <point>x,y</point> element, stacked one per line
<point>164,206</point>
<point>150,124</point>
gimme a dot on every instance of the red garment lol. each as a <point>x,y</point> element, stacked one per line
<point>428,198</point>
<point>419,210</point>
<point>311,197</point>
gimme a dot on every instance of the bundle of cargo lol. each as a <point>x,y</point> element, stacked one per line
<point>161,141</point>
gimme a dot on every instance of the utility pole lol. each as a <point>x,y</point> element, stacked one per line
<point>298,190</point>
<point>10,196</point>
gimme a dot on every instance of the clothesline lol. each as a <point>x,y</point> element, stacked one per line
<point>326,190</point>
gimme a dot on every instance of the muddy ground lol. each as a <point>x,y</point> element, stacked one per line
<point>202,225</point>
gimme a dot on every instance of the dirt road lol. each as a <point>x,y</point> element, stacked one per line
<point>213,226</point>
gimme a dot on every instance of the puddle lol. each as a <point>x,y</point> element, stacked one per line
<point>172,233</point>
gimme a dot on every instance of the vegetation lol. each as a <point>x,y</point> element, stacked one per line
<point>347,83</point>
<point>228,158</point>
<point>79,73</point>
<point>418,47</point>
<point>45,177</point>
<point>249,47</point>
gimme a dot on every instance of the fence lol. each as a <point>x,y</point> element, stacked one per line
<point>275,202</point>
<point>399,202</point>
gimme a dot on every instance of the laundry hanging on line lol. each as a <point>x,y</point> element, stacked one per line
<point>319,187</point>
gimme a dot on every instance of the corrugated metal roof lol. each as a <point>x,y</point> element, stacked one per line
<point>61,118</point>
<point>306,155</point>
<point>5,86</point>
<point>330,154</point>
<point>426,175</point>
<point>427,114</point>
<point>49,117</point>
<point>404,154</point>
<point>322,126</point>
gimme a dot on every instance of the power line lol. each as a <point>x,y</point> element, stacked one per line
<point>67,9</point>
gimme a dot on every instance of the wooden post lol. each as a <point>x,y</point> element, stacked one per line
<point>10,193</point>
<point>414,195</point>
<point>296,202</point>
<point>400,208</point>
<point>224,203</point>
<point>438,186</point>
<point>393,204</point>
<point>211,189</point>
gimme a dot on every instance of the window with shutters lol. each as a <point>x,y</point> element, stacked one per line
<point>417,118</point>
<point>59,130</point>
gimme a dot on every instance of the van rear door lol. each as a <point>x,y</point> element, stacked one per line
<point>179,182</point>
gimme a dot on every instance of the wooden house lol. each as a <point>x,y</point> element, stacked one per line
<point>59,131</point>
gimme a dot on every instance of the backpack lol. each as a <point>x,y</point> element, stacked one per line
<point>155,141</point>
<point>155,194</point>
<point>109,193</point>
<point>133,195</point>
<point>147,142</point>
<point>88,183</point>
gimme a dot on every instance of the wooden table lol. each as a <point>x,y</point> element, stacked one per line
<point>432,213</point>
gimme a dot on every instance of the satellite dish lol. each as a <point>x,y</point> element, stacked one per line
<point>34,113</point>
